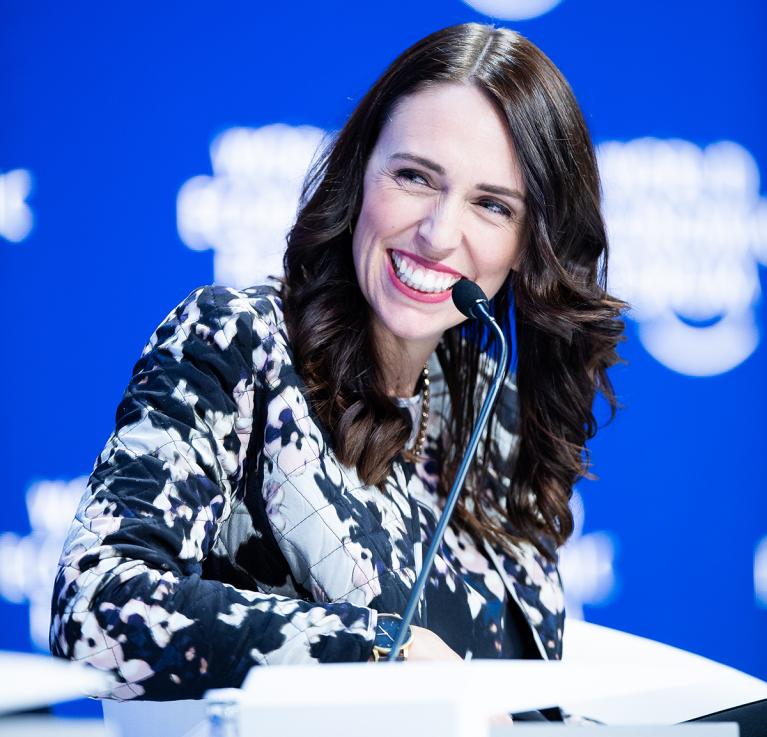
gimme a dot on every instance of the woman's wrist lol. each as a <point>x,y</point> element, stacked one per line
<point>387,631</point>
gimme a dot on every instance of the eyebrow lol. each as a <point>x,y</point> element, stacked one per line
<point>429,164</point>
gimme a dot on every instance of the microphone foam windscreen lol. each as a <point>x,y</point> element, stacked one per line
<point>466,294</point>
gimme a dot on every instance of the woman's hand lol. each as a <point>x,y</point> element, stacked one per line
<point>428,646</point>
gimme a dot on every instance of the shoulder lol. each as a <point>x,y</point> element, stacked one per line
<point>230,331</point>
<point>222,314</point>
<point>217,302</point>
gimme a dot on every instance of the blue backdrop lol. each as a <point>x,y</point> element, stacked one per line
<point>139,158</point>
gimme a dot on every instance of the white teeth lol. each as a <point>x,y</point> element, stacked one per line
<point>421,278</point>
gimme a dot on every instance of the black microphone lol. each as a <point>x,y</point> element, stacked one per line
<point>469,298</point>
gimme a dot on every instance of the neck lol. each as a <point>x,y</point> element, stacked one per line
<point>402,361</point>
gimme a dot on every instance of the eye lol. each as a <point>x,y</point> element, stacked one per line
<point>496,208</point>
<point>410,176</point>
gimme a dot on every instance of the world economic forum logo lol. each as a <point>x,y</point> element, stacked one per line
<point>28,562</point>
<point>587,565</point>
<point>15,214</point>
<point>688,231</point>
<point>760,573</point>
<point>245,209</point>
<point>513,9</point>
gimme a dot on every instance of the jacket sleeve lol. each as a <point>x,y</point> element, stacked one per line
<point>129,598</point>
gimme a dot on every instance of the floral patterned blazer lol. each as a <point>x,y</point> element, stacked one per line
<point>219,531</point>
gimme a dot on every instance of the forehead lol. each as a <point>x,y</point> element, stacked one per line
<point>456,126</point>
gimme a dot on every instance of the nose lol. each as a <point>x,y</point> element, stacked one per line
<point>440,230</point>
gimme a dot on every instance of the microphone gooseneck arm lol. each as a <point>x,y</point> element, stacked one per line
<point>471,301</point>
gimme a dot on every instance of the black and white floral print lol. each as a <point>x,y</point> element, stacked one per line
<point>219,531</point>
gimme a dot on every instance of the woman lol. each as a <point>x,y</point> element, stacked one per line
<point>281,456</point>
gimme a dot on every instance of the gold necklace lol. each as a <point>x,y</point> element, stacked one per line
<point>420,439</point>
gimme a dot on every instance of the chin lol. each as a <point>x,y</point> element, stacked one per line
<point>411,326</point>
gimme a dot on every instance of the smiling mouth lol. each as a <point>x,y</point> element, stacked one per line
<point>419,277</point>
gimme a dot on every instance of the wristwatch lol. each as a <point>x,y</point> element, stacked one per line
<point>387,629</point>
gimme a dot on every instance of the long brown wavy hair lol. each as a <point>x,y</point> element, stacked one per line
<point>567,325</point>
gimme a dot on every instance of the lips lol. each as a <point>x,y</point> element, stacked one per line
<point>426,263</point>
<point>422,275</point>
<point>419,279</point>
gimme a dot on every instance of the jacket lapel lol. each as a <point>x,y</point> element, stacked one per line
<point>534,584</point>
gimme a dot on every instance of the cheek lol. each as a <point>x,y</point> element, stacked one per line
<point>371,232</point>
<point>495,265</point>
<point>386,211</point>
<point>495,283</point>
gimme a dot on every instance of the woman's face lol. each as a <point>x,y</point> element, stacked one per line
<point>443,198</point>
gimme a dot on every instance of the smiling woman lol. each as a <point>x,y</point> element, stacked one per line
<point>282,454</point>
<point>423,227</point>
<point>469,154</point>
